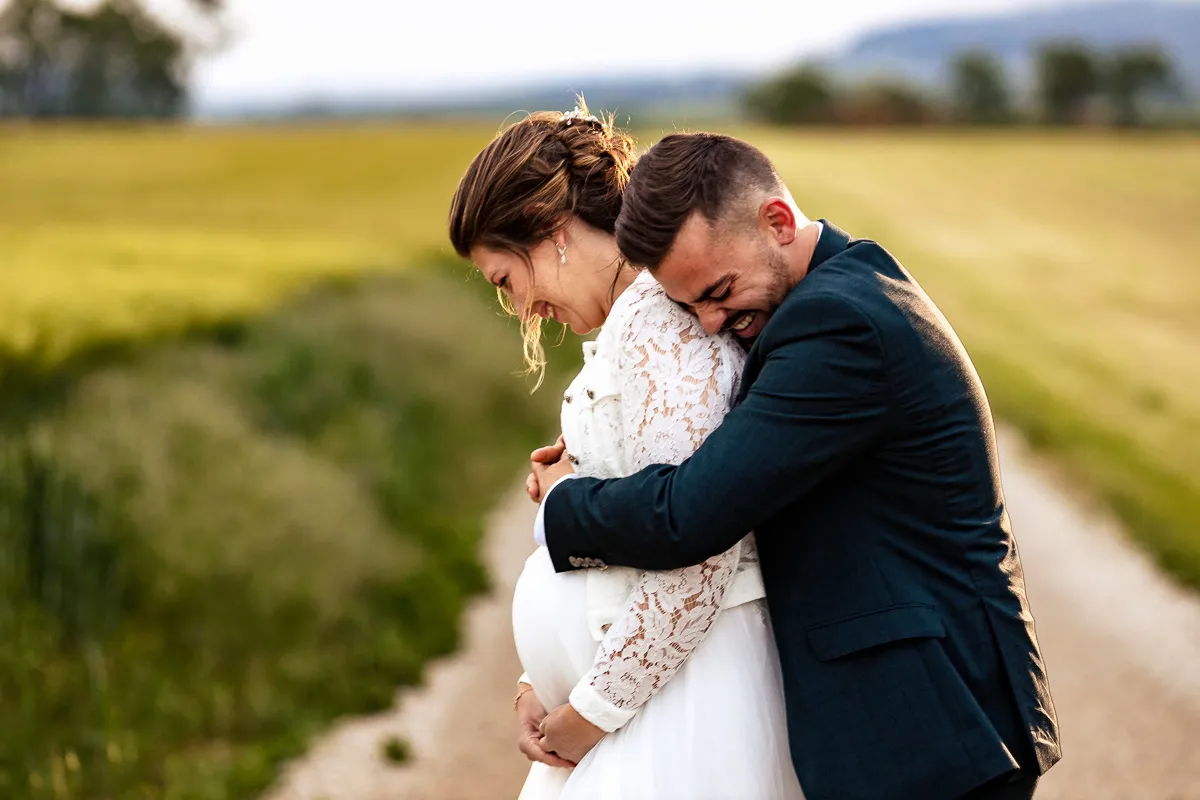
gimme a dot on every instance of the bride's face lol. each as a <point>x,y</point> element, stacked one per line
<point>570,293</point>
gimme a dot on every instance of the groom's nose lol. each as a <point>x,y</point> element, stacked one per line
<point>713,319</point>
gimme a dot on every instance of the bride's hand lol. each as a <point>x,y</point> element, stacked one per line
<point>530,713</point>
<point>567,734</point>
<point>550,454</point>
<point>548,475</point>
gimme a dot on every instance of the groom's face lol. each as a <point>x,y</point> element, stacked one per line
<point>732,276</point>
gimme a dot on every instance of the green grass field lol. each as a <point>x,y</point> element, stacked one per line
<point>129,233</point>
<point>1067,265</point>
<point>242,396</point>
<point>251,494</point>
<point>1064,260</point>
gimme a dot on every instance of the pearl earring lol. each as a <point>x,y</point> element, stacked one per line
<point>562,253</point>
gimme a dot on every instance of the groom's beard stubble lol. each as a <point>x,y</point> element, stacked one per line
<point>780,287</point>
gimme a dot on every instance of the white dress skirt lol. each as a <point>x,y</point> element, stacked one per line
<point>681,665</point>
<point>716,731</point>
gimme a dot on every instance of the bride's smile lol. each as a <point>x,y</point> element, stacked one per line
<point>571,278</point>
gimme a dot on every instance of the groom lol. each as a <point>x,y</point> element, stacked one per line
<point>862,454</point>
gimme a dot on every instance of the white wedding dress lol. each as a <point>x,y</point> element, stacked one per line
<point>679,665</point>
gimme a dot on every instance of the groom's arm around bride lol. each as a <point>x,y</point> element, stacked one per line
<point>862,453</point>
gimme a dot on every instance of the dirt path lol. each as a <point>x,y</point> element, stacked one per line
<point>460,724</point>
<point>1122,646</point>
<point>1121,643</point>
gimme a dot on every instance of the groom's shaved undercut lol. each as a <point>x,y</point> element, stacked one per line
<point>686,173</point>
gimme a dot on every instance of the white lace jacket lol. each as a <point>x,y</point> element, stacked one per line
<point>652,388</point>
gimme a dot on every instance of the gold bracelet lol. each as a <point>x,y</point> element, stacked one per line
<point>521,693</point>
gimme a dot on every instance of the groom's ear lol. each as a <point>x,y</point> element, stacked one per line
<point>777,214</point>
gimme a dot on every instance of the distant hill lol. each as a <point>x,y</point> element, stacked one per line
<point>644,99</point>
<point>921,51</point>
<point>636,96</point>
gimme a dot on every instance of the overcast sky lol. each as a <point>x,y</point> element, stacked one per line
<point>291,48</point>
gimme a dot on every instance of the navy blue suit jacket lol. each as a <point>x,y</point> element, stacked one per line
<point>863,455</point>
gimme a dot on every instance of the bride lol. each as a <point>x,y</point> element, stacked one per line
<point>676,671</point>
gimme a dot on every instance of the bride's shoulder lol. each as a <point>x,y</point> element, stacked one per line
<point>648,332</point>
<point>645,309</point>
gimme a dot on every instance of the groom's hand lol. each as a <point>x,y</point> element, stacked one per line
<point>550,454</point>
<point>568,735</point>
<point>530,713</point>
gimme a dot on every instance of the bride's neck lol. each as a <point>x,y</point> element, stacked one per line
<point>601,248</point>
<point>626,275</point>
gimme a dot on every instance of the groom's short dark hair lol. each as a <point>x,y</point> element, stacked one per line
<point>683,174</point>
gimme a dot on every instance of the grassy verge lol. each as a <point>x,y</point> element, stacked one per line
<point>213,547</point>
<point>1160,507</point>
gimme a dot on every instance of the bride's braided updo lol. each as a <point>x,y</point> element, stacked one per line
<point>537,173</point>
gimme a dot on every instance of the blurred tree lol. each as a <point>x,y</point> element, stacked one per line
<point>128,65</point>
<point>886,103</point>
<point>1068,78</point>
<point>803,95</point>
<point>1131,75</point>
<point>979,88</point>
<point>113,60</point>
<point>25,30</point>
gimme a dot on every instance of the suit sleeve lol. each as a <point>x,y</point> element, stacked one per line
<point>819,400</point>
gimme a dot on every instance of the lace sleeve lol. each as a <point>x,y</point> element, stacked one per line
<point>676,386</point>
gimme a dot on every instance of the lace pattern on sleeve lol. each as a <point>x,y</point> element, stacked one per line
<point>677,384</point>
